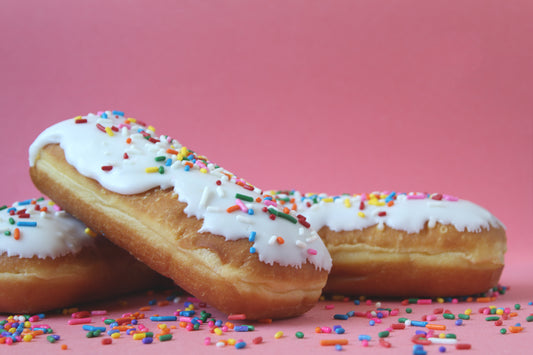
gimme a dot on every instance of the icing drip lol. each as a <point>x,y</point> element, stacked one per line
<point>39,228</point>
<point>125,156</point>
<point>406,212</point>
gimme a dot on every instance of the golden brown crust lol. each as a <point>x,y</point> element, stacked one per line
<point>153,227</point>
<point>439,261</point>
<point>31,285</point>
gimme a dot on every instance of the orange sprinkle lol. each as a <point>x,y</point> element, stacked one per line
<point>326,342</point>
<point>318,330</point>
<point>233,208</point>
<point>173,327</point>
<point>483,299</point>
<point>281,202</point>
<point>144,309</point>
<point>172,151</point>
<point>436,326</point>
<point>43,209</point>
<point>189,164</point>
<point>286,210</point>
<point>128,140</point>
<point>183,324</point>
<point>16,234</point>
<point>162,303</point>
<point>280,240</point>
<point>230,325</point>
<point>514,329</point>
<point>265,321</point>
<point>258,199</point>
<point>294,207</point>
<point>513,314</point>
<point>390,203</point>
<point>64,347</point>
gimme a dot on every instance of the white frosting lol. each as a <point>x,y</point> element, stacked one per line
<point>207,189</point>
<point>52,233</point>
<point>408,212</point>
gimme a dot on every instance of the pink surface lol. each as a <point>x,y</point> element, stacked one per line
<point>483,336</point>
<point>344,97</point>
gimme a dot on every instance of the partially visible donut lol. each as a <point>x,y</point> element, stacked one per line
<point>48,260</point>
<point>214,234</point>
<point>397,244</point>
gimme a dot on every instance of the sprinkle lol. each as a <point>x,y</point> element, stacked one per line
<point>80,120</point>
<point>107,167</point>
<point>205,197</point>
<point>251,238</point>
<point>26,224</point>
<point>278,334</point>
<point>153,169</point>
<point>77,321</point>
<point>332,342</point>
<point>463,346</point>
<point>233,208</point>
<point>311,251</point>
<point>109,131</point>
<point>241,205</point>
<point>244,197</point>
<point>238,316</point>
<point>163,318</point>
<point>280,240</point>
<point>436,326</point>
<point>299,335</point>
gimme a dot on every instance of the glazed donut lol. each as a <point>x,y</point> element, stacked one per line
<point>185,217</point>
<point>405,245</point>
<point>48,260</point>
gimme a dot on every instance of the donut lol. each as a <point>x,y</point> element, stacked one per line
<point>50,260</point>
<point>404,244</point>
<point>184,216</point>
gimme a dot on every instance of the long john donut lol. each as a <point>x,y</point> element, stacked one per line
<point>49,260</point>
<point>184,216</point>
<point>398,244</point>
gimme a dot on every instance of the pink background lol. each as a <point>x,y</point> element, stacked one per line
<point>333,96</point>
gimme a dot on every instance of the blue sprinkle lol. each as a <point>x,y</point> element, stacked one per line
<point>187,313</point>
<point>339,330</point>
<point>218,323</point>
<point>134,322</point>
<point>168,162</point>
<point>139,130</point>
<point>379,315</point>
<point>518,325</point>
<point>113,325</point>
<point>252,250</point>
<point>187,168</point>
<point>129,331</point>
<point>356,302</point>
<point>163,318</point>
<point>268,198</point>
<point>418,332</point>
<point>103,115</point>
<point>118,113</point>
<point>240,345</point>
<point>241,328</point>
<point>26,202</point>
<point>89,327</point>
<point>26,224</point>
<point>372,322</point>
<point>250,212</point>
<point>350,314</point>
<point>251,238</point>
<point>530,303</point>
<point>459,322</point>
<point>109,332</point>
<point>152,302</point>
<point>364,337</point>
<point>338,347</point>
<point>442,349</point>
<point>417,323</point>
<point>56,337</point>
<point>340,316</point>
<point>148,340</point>
<point>11,209</point>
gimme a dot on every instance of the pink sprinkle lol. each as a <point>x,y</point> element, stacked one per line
<point>364,197</point>
<point>207,341</point>
<point>270,203</point>
<point>56,208</point>
<point>45,326</point>
<point>394,312</point>
<point>329,306</point>
<point>326,329</point>
<point>450,198</point>
<point>416,197</point>
<point>486,311</point>
<point>241,205</point>
<point>364,343</point>
<point>368,302</point>
<point>431,317</point>
<point>124,125</point>
<point>142,328</point>
<point>507,310</point>
<point>9,341</point>
<point>237,317</point>
<point>424,301</point>
<point>34,319</point>
<point>189,327</point>
<point>77,321</point>
<point>225,328</point>
<point>186,319</point>
<point>311,251</point>
<point>455,301</point>
<point>98,313</point>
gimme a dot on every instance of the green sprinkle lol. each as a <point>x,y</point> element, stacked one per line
<point>503,331</point>
<point>149,334</point>
<point>451,336</point>
<point>161,170</point>
<point>408,310</point>
<point>517,306</point>
<point>402,320</point>
<point>90,334</point>
<point>109,321</point>
<point>40,199</point>
<point>412,300</point>
<point>51,339</point>
<point>492,319</point>
<point>160,158</point>
<point>383,334</point>
<point>3,207</point>
<point>251,328</point>
<point>493,311</point>
<point>11,220</point>
<point>448,316</point>
<point>529,319</point>
<point>288,217</point>
<point>463,316</point>
<point>7,233</point>
<point>299,335</point>
<point>244,197</point>
<point>273,211</point>
<point>165,337</point>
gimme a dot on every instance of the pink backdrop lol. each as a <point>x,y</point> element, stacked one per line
<point>333,96</point>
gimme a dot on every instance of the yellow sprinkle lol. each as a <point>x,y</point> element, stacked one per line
<point>77,118</point>
<point>27,324</point>
<point>162,326</point>
<point>442,335</point>
<point>184,151</point>
<point>132,120</point>
<point>499,311</point>
<point>115,335</point>
<point>218,331</point>
<point>151,128</point>
<point>27,337</point>
<point>109,131</point>
<point>328,199</point>
<point>383,196</point>
<point>231,341</point>
<point>139,336</point>
<point>468,311</point>
<point>376,202</point>
<point>347,203</point>
<point>12,330</point>
<point>361,214</point>
<point>89,232</point>
<point>278,334</point>
<point>440,300</point>
<point>153,169</point>
<point>203,170</point>
<point>179,157</point>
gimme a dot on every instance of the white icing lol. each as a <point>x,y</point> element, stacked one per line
<point>409,215</point>
<point>55,234</point>
<point>88,149</point>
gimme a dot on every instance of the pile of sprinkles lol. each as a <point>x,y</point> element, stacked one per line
<point>344,323</point>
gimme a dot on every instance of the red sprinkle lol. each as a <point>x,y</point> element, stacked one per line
<point>398,326</point>
<point>126,156</point>
<point>362,206</point>
<point>106,341</point>
<point>107,167</point>
<point>257,340</point>
<point>24,215</point>
<point>114,128</point>
<point>80,120</point>
<point>218,182</point>
<point>382,214</point>
<point>100,127</point>
<point>384,343</point>
<point>463,346</point>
